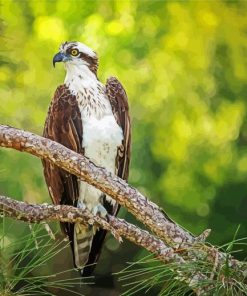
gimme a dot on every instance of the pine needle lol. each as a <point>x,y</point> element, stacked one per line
<point>149,273</point>
<point>21,257</point>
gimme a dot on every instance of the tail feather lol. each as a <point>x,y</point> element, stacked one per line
<point>83,238</point>
<point>95,251</point>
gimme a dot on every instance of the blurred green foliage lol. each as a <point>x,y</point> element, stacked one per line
<point>184,67</point>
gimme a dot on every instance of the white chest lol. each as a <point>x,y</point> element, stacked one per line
<point>101,138</point>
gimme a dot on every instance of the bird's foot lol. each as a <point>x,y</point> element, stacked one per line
<point>81,205</point>
<point>100,210</point>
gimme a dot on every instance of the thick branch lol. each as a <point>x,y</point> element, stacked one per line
<point>145,211</point>
<point>36,213</point>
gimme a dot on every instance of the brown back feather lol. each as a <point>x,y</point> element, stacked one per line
<point>119,102</point>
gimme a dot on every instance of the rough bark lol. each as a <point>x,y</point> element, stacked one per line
<point>36,213</point>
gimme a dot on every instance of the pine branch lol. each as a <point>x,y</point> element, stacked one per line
<point>36,213</point>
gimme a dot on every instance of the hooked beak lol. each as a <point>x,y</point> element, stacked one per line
<point>59,57</point>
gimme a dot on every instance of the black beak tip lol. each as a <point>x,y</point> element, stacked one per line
<point>59,57</point>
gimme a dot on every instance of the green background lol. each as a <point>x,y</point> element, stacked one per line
<point>184,67</point>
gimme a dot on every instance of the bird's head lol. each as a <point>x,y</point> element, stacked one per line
<point>76,54</point>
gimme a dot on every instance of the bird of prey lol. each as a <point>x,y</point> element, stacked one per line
<point>92,119</point>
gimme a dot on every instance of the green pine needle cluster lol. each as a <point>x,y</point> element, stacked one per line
<point>21,260</point>
<point>149,276</point>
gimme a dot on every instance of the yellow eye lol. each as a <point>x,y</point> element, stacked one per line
<point>74,52</point>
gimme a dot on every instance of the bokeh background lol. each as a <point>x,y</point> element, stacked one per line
<point>184,67</point>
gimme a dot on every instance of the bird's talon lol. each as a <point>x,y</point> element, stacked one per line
<point>100,210</point>
<point>81,205</point>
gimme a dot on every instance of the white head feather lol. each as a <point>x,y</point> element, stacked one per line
<point>80,46</point>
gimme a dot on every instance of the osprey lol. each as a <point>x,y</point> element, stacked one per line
<point>92,119</point>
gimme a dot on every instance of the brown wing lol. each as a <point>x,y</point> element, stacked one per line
<point>119,102</point>
<point>63,125</point>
